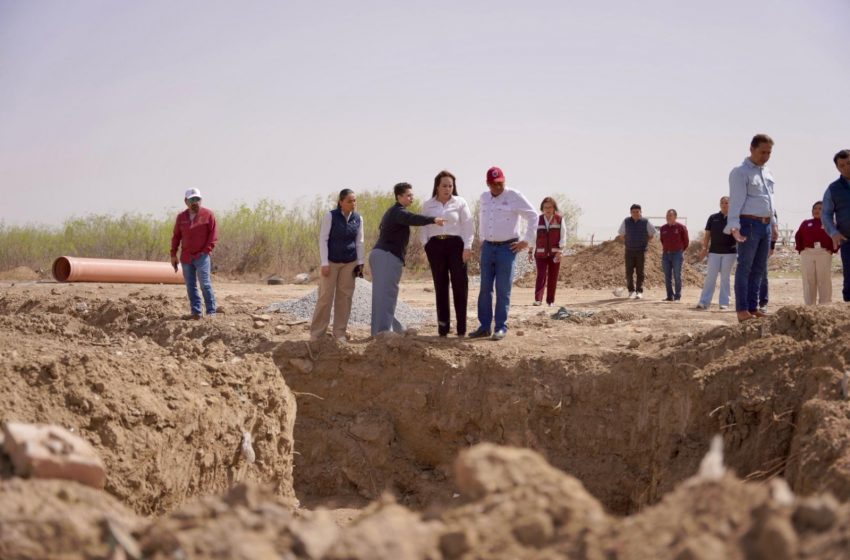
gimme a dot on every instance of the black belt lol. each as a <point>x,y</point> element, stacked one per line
<point>442,237</point>
<point>756,218</point>
<point>505,242</point>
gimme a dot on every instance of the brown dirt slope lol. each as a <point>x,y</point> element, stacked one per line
<point>602,266</point>
<point>165,402</point>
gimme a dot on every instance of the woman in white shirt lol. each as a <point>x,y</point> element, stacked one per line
<point>448,248</point>
<point>342,256</point>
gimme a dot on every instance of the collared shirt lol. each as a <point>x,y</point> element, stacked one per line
<point>498,217</point>
<point>325,233</point>
<point>720,243</point>
<point>458,219</point>
<point>674,237</point>
<point>811,231</point>
<point>650,229</point>
<point>750,192</point>
<point>196,234</point>
<point>828,215</point>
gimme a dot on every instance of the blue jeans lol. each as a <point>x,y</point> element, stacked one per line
<point>497,266</point>
<point>199,271</point>
<point>717,263</point>
<point>671,262</point>
<point>845,265</point>
<point>763,289</point>
<point>752,264</point>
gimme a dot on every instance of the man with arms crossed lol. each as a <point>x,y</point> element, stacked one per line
<point>635,231</point>
<point>835,215</point>
<point>752,223</point>
<point>499,211</point>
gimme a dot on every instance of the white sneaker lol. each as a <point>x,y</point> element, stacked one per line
<point>763,309</point>
<point>550,304</point>
<point>632,295</point>
<point>538,303</point>
<point>724,307</point>
<point>638,295</point>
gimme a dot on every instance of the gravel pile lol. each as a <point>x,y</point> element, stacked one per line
<point>361,307</point>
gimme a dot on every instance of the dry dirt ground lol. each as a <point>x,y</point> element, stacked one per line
<point>383,448</point>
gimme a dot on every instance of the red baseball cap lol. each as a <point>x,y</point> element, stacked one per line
<point>495,175</point>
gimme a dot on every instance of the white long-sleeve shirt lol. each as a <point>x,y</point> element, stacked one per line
<point>457,216</point>
<point>498,217</point>
<point>325,232</point>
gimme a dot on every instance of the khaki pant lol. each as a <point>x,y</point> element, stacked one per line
<point>335,290</point>
<point>816,266</point>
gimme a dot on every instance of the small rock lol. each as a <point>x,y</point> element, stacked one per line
<point>455,544</point>
<point>302,365</point>
<point>274,281</point>
<point>633,344</point>
<point>535,530</point>
<point>281,329</point>
<point>428,289</point>
<point>816,512</point>
<point>259,324</point>
<point>263,318</point>
<point>302,278</point>
<point>520,333</point>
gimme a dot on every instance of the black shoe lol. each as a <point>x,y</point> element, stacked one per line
<point>443,335</point>
<point>461,335</point>
<point>667,299</point>
<point>480,333</point>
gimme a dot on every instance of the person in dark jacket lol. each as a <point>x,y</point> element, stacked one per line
<point>195,234</point>
<point>341,252</point>
<point>635,231</point>
<point>386,259</point>
<point>836,214</point>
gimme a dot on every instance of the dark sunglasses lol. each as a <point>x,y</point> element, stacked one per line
<point>195,199</point>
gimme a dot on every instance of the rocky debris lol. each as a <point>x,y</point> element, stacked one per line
<point>361,307</point>
<point>63,519</point>
<point>564,314</point>
<point>275,281</point>
<point>301,278</point>
<point>43,451</point>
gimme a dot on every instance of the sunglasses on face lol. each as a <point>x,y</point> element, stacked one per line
<point>194,199</point>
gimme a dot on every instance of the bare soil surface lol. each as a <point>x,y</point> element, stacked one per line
<point>599,422</point>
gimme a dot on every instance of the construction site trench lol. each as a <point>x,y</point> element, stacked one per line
<point>394,413</point>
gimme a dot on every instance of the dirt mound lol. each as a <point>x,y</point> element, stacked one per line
<point>602,266</point>
<point>165,402</point>
<point>60,519</point>
<point>512,504</point>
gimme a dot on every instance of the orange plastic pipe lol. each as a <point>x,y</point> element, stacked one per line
<point>74,269</point>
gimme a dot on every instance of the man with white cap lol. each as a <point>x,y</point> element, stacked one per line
<point>195,230</point>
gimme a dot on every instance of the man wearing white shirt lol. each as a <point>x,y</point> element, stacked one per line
<point>448,249</point>
<point>499,213</point>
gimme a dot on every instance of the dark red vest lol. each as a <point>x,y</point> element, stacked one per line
<point>548,239</point>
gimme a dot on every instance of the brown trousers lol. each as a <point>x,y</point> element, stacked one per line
<point>336,291</point>
<point>816,266</point>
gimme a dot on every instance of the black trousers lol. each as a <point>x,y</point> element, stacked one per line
<point>446,259</point>
<point>634,262</point>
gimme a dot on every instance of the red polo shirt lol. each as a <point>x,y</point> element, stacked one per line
<point>812,231</point>
<point>197,236</point>
<point>674,238</point>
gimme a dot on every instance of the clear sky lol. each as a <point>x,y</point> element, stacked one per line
<point>118,106</point>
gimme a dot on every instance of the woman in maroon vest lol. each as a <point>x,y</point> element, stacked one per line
<point>547,250</point>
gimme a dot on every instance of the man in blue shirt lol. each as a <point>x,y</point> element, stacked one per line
<point>835,215</point>
<point>752,223</point>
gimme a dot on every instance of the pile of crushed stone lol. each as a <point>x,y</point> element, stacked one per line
<point>361,307</point>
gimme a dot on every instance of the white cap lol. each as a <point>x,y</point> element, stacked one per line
<point>192,192</point>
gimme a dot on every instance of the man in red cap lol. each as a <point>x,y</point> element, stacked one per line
<point>499,213</point>
<point>195,230</point>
